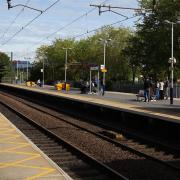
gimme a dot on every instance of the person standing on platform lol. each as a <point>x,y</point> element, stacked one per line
<point>102,87</point>
<point>146,89</point>
<point>157,90</point>
<point>161,90</point>
<point>39,82</point>
<point>166,89</point>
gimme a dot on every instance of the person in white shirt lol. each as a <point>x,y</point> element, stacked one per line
<point>161,90</point>
<point>157,89</point>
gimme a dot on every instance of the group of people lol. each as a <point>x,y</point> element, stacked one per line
<point>85,87</point>
<point>155,90</point>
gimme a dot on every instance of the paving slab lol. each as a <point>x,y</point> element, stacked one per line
<point>20,159</point>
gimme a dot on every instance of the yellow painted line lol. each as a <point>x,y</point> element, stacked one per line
<point>4,165</point>
<point>17,147</point>
<point>40,174</point>
<point>34,167</point>
<point>7,134</point>
<point>16,143</point>
<point>4,139</point>
<point>7,130</point>
<point>6,127</point>
<point>20,152</point>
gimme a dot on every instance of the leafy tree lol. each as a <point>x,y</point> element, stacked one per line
<point>155,35</point>
<point>85,53</point>
<point>4,65</point>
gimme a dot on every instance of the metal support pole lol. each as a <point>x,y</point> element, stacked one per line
<point>22,77</point>
<point>43,74</point>
<point>104,75</point>
<point>98,82</point>
<point>65,67</point>
<point>11,67</point>
<point>172,63</point>
<point>17,70</point>
<point>27,71</point>
<point>90,83</point>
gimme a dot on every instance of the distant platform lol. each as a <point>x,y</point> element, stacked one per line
<point>123,101</point>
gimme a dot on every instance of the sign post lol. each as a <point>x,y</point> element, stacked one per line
<point>95,68</point>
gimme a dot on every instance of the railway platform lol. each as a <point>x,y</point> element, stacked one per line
<point>21,159</point>
<point>125,102</point>
<point>108,106</point>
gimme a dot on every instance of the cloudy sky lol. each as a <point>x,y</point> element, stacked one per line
<point>67,18</point>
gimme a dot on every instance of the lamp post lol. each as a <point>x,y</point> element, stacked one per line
<point>17,73</point>
<point>43,74</point>
<point>65,65</point>
<point>105,42</point>
<point>27,68</point>
<point>172,60</point>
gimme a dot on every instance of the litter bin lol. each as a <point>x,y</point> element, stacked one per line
<point>59,86</point>
<point>28,83</point>
<point>67,87</point>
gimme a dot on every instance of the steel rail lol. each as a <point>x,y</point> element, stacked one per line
<point>115,142</point>
<point>112,173</point>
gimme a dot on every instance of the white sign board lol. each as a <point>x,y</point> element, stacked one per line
<point>41,70</point>
<point>102,66</point>
<point>94,68</point>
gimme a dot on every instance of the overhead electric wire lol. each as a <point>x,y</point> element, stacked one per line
<point>73,21</point>
<point>7,29</point>
<point>117,22</point>
<point>29,23</point>
<point>93,30</point>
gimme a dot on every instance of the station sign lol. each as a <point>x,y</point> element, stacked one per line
<point>94,68</point>
<point>41,70</point>
<point>102,66</point>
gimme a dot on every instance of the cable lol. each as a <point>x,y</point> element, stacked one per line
<point>87,32</point>
<point>73,21</point>
<point>29,23</point>
<point>6,30</point>
<point>117,22</point>
<point>76,19</point>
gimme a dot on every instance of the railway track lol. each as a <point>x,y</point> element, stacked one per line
<point>75,162</point>
<point>139,149</point>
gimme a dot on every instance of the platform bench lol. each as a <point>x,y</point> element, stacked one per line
<point>140,95</point>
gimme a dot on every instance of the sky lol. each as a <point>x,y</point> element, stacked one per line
<point>56,22</point>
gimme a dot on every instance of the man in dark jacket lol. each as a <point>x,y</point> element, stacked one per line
<point>147,85</point>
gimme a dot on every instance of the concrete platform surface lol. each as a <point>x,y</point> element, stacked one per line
<point>20,159</point>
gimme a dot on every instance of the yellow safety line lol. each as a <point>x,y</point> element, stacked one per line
<point>20,152</point>
<point>8,130</point>
<point>10,142</point>
<point>4,139</point>
<point>17,147</point>
<point>40,174</point>
<point>4,165</point>
<point>34,167</point>
<point>7,134</point>
<point>5,127</point>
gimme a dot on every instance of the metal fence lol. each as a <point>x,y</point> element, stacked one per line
<point>134,88</point>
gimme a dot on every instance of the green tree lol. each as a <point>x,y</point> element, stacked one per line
<point>155,35</point>
<point>85,53</point>
<point>4,65</point>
